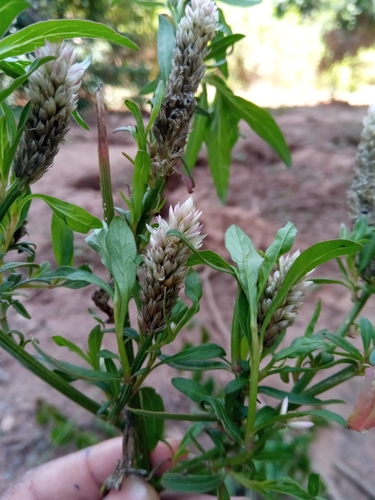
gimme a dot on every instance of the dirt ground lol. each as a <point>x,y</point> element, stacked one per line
<point>263,196</point>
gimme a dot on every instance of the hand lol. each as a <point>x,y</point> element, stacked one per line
<point>80,475</point>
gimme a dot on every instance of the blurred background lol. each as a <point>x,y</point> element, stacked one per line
<point>296,52</point>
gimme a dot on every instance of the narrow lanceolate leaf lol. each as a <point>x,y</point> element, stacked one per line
<point>166,44</point>
<point>192,389</point>
<point>35,35</point>
<point>62,242</point>
<point>75,217</point>
<point>74,370</point>
<point>197,133</point>
<point>191,483</point>
<point>157,102</point>
<point>221,137</point>
<point>257,118</point>
<point>9,11</point>
<point>142,169</point>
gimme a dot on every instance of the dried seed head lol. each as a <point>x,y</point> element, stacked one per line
<point>53,92</point>
<point>165,265</point>
<point>361,194</point>
<point>171,127</point>
<point>286,313</point>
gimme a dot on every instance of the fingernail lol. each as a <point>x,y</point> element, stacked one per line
<point>134,488</point>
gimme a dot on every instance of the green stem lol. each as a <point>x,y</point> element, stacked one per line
<point>255,357</point>
<point>354,311</point>
<point>4,326</point>
<point>31,364</point>
<point>119,317</point>
<point>15,191</point>
<point>236,334</point>
<point>104,165</point>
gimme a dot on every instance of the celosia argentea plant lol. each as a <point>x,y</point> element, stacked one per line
<point>151,260</point>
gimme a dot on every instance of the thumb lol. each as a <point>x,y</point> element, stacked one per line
<point>134,488</point>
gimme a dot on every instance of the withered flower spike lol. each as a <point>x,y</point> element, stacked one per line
<point>171,127</point>
<point>165,265</point>
<point>53,92</point>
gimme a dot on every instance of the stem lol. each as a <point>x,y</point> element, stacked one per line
<point>354,311</point>
<point>119,317</point>
<point>255,356</point>
<point>15,191</point>
<point>31,364</point>
<point>104,165</point>
<point>3,318</point>
<point>236,334</point>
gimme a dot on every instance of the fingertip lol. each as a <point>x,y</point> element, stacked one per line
<point>162,455</point>
<point>134,488</point>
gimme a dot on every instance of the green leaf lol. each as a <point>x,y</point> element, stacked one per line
<point>97,241</point>
<point>220,139</point>
<point>79,120</point>
<point>166,45</point>
<point>284,485</point>
<point>140,129</point>
<point>151,401</point>
<point>21,309</point>
<point>219,47</point>
<point>308,260</point>
<point>35,35</point>
<point>94,345</point>
<point>294,398</point>
<point>259,120</point>
<point>219,409</point>
<point>157,102</point>
<point>13,67</point>
<point>210,258</point>
<point>367,333</point>
<point>75,217</point>
<point>193,287</point>
<point>142,170</point>
<point>191,483</point>
<point>111,367</point>
<point>199,353</point>
<point>9,11</point>
<point>122,252</point>
<point>74,370</point>
<point>300,346</point>
<point>21,79</point>
<point>192,389</point>
<point>283,242</point>
<point>74,274</point>
<point>197,133</point>
<point>14,265</point>
<point>62,242</point>
<point>344,344</point>
<point>314,319</point>
<point>235,385</point>
<point>63,342</point>
<point>313,486</point>
<point>11,122</point>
